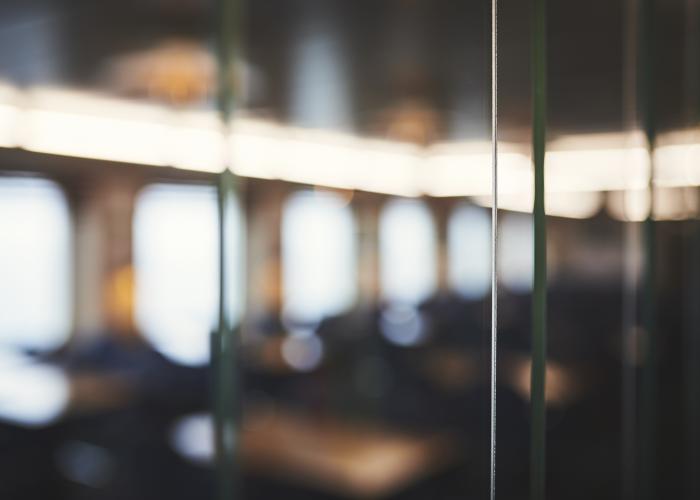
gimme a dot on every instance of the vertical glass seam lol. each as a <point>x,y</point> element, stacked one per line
<point>539,313</point>
<point>494,238</point>
<point>649,396</point>
<point>224,352</point>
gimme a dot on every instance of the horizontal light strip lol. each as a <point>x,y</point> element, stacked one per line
<point>580,205</point>
<point>324,159</point>
<point>83,125</point>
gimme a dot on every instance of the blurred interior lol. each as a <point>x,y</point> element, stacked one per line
<point>357,250</point>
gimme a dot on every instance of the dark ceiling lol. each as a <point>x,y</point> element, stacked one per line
<point>432,54</point>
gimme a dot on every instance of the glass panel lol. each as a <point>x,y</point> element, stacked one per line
<point>100,98</point>
<point>588,152</point>
<point>387,395</point>
<point>353,357</point>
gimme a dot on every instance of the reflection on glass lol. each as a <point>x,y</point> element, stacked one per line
<point>362,375</point>
<point>31,394</point>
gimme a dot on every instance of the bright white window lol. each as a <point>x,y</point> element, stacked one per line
<point>35,264</point>
<point>469,251</point>
<point>319,256</point>
<point>176,258</point>
<point>407,251</point>
<point>516,252</point>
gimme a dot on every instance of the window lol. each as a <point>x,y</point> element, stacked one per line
<point>407,251</point>
<point>176,258</point>
<point>516,252</point>
<point>319,256</point>
<point>469,251</point>
<point>35,264</point>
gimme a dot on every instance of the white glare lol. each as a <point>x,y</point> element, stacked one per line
<point>31,395</point>
<point>469,248</point>
<point>407,251</point>
<point>516,254</point>
<point>319,256</point>
<point>192,437</point>
<point>303,353</point>
<point>35,304</point>
<point>402,325</point>
<point>177,264</point>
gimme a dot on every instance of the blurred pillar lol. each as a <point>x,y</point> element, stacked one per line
<point>103,213</point>
<point>441,213</point>
<point>264,249</point>
<point>226,338</point>
<point>367,214</point>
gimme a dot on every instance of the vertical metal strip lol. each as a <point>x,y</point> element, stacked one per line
<point>632,250</point>
<point>692,55</point>
<point>539,300</point>
<point>224,355</point>
<point>494,237</point>
<point>648,397</point>
<point>692,362</point>
<point>224,352</point>
<point>632,254</point>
